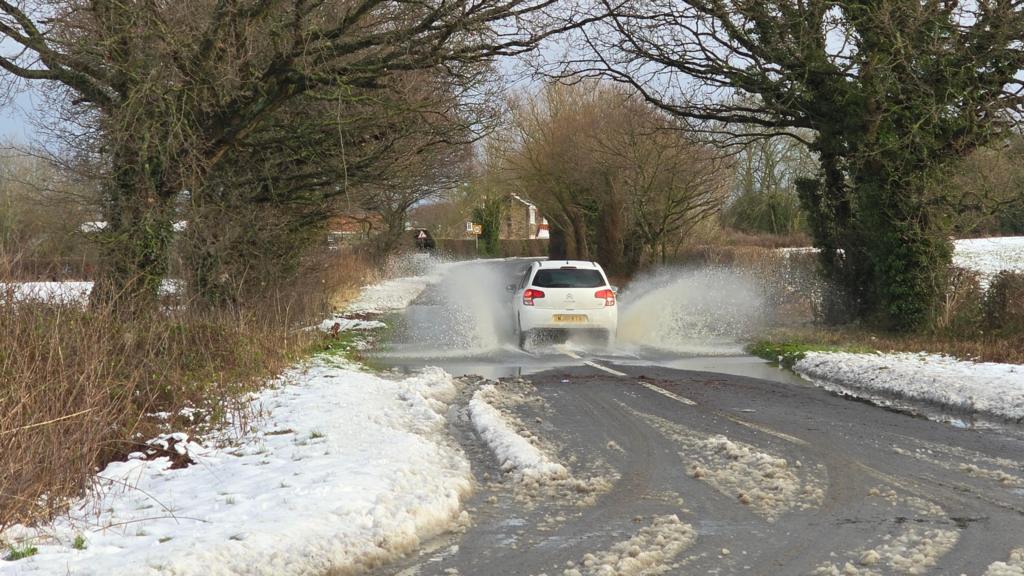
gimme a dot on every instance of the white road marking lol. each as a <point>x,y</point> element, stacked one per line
<point>770,432</point>
<point>576,356</point>
<point>671,395</point>
<point>605,368</point>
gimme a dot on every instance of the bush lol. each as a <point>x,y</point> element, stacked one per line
<point>80,386</point>
<point>1004,303</point>
<point>960,311</point>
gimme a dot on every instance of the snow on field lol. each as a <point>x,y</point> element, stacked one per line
<point>347,469</point>
<point>515,453</point>
<point>989,256</point>
<point>986,256</point>
<point>983,388</point>
<point>64,292</point>
<point>56,292</point>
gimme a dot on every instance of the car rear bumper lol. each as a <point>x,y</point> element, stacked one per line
<point>546,318</point>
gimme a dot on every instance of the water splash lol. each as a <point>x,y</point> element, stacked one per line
<point>702,311</point>
<point>466,313</point>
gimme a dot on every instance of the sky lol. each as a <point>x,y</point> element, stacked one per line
<point>14,125</point>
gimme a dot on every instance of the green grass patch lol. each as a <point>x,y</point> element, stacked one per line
<point>79,543</point>
<point>786,354</point>
<point>355,345</point>
<point>15,553</point>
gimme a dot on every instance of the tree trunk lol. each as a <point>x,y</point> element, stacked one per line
<point>135,244</point>
<point>610,244</point>
<point>579,229</point>
<point>556,243</point>
<point>390,239</point>
<point>908,254</point>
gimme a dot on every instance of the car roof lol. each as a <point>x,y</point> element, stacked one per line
<point>563,263</point>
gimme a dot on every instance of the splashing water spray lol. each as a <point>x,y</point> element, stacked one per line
<point>699,311</point>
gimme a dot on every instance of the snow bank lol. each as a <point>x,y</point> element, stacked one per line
<point>989,256</point>
<point>514,452</point>
<point>982,388</point>
<point>345,470</point>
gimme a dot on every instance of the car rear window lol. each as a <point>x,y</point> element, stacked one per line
<point>567,278</point>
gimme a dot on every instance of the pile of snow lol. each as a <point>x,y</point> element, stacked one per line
<point>515,453</point>
<point>983,388</point>
<point>1012,567</point>
<point>345,470</point>
<point>989,256</point>
<point>650,552</point>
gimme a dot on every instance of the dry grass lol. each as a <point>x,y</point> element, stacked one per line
<point>79,386</point>
<point>718,237</point>
<point>981,348</point>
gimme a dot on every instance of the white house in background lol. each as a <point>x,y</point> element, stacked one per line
<point>523,221</point>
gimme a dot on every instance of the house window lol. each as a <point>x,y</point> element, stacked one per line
<point>533,214</point>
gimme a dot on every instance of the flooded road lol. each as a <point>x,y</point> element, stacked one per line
<point>674,453</point>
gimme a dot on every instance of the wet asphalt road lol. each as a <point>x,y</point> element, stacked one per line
<point>773,476</point>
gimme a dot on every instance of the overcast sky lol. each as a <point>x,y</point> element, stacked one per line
<point>14,125</point>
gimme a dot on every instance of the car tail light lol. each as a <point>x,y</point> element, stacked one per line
<point>530,294</point>
<point>608,295</point>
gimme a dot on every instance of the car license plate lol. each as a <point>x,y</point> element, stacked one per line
<point>570,317</point>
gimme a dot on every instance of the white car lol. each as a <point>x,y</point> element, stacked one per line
<point>564,295</point>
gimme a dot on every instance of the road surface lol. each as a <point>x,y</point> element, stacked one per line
<point>727,467</point>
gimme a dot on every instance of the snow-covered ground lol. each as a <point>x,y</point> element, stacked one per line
<point>56,292</point>
<point>982,388</point>
<point>397,293</point>
<point>986,256</point>
<point>338,469</point>
<point>309,489</point>
<point>989,256</point>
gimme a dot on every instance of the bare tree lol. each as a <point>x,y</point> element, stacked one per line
<point>172,88</point>
<point>613,174</point>
<point>765,196</point>
<point>892,90</point>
